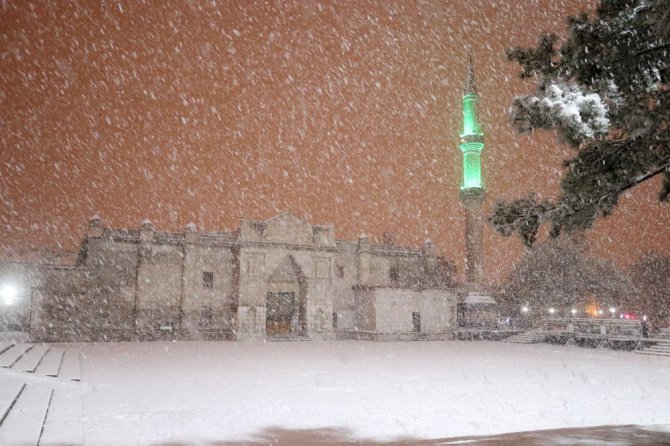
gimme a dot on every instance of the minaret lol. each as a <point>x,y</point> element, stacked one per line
<point>475,307</point>
<point>472,187</point>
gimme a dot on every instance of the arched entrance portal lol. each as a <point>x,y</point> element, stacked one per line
<point>285,301</point>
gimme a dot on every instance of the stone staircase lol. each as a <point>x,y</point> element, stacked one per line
<point>37,405</point>
<point>526,337</point>
<point>660,349</point>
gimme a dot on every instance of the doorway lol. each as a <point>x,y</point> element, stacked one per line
<point>280,313</point>
<point>285,301</point>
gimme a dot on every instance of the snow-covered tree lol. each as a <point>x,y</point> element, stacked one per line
<point>651,278</point>
<point>605,91</point>
<point>559,273</point>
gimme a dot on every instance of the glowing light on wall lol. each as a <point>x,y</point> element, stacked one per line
<point>8,293</point>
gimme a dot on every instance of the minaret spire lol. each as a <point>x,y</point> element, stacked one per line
<point>470,85</point>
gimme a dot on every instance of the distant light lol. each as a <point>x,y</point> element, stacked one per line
<point>644,318</point>
<point>612,310</point>
<point>573,311</point>
<point>600,311</point>
<point>552,310</point>
<point>8,293</point>
<point>524,309</point>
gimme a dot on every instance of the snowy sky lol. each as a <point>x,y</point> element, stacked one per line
<point>340,112</point>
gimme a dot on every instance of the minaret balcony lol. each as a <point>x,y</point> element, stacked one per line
<point>471,144</point>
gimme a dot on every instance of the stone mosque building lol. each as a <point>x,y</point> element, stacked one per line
<point>282,278</point>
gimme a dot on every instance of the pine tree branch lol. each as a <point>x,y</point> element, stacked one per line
<point>648,175</point>
<point>614,152</point>
<point>656,48</point>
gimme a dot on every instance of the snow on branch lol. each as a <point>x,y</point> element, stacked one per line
<point>575,114</point>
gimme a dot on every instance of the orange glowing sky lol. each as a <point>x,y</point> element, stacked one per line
<point>340,112</point>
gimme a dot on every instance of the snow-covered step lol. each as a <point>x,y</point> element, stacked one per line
<point>653,353</point>
<point>5,346</point>
<point>23,425</point>
<point>657,352</point>
<point>525,338</point>
<point>10,390</point>
<point>30,360</point>
<point>9,357</point>
<point>658,348</point>
<point>51,363</point>
<point>63,425</point>
<point>70,368</point>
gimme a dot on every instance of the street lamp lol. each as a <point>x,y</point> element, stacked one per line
<point>552,310</point>
<point>524,309</point>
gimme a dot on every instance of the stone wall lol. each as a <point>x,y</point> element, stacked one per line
<point>17,282</point>
<point>395,308</point>
<point>394,314</point>
<point>145,284</point>
<point>345,278</point>
<point>209,311</point>
<point>313,268</point>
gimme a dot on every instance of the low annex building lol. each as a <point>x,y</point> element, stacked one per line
<point>280,278</point>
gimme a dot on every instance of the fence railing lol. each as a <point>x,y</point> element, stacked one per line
<point>587,326</point>
<point>623,327</point>
<point>501,323</point>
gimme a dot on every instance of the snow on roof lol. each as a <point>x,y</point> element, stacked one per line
<point>474,297</point>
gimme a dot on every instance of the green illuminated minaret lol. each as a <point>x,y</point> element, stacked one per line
<point>472,138</point>
<point>472,187</point>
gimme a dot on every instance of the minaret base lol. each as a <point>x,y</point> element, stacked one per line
<point>477,309</point>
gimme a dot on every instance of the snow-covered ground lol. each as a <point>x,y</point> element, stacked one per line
<point>198,392</point>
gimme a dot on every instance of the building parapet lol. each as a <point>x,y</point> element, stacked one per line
<point>321,238</point>
<point>394,250</point>
<point>121,235</point>
<point>293,246</point>
<point>169,237</point>
<point>217,238</point>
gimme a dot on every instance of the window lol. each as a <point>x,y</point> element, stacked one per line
<point>205,316</point>
<point>394,273</point>
<point>416,322</point>
<point>166,327</point>
<point>339,271</point>
<point>208,279</point>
